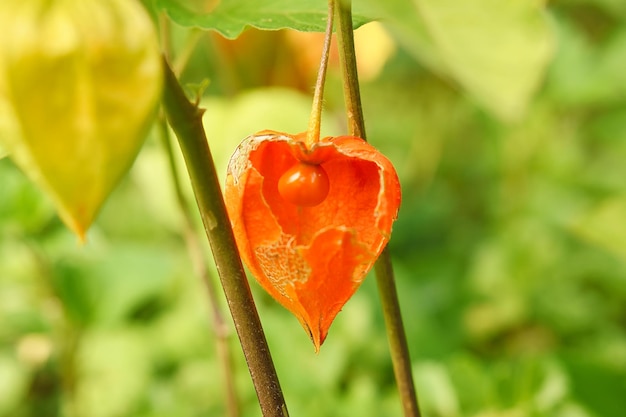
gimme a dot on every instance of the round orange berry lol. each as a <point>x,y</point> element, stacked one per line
<point>304,185</point>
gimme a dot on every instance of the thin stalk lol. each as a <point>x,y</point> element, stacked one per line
<point>350,76</point>
<point>186,120</point>
<point>313,132</point>
<point>201,269</point>
<point>395,334</point>
<point>192,240</point>
<point>384,270</point>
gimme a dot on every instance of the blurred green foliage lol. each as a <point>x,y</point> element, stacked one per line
<point>510,251</point>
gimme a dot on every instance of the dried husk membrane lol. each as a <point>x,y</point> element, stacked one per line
<point>311,259</point>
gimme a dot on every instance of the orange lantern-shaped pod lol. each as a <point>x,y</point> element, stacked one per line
<point>310,221</point>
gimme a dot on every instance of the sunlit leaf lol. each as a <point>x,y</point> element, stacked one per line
<point>231,17</point>
<point>434,384</point>
<point>497,50</point>
<point>114,370</point>
<point>588,73</point>
<point>13,382</point>
<point>604,226</point>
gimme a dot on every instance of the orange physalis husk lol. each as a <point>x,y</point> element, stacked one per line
<point>311,259</point>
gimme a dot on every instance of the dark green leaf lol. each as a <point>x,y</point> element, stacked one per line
<point>598,388</point>
<point>231,17</point>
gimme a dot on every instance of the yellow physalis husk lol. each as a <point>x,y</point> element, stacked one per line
<point>79,83</point>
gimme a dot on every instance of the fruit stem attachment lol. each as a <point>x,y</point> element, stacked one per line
<point>313,132</point>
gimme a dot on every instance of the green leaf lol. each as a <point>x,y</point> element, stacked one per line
<point>114,369</point>
<point>13,383</point>
<point>597,387</point>
<point>497,50</point>
<point>231,17</point>
<point>604,226</point>
<point>586,73</point>
<point>121,280</point>
<point>436,389</point>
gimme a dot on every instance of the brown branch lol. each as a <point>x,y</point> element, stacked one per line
<point>186,120</point>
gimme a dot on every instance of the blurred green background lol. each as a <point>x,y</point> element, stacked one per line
<point>510,248</point>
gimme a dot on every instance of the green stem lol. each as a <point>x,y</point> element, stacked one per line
<point>384,270</point>
<point>313,132</point>
<point>395,334</point>
<point>192,239</point>
<point>347,59</point>
<point>186,120</point>
<point>201,269</point>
